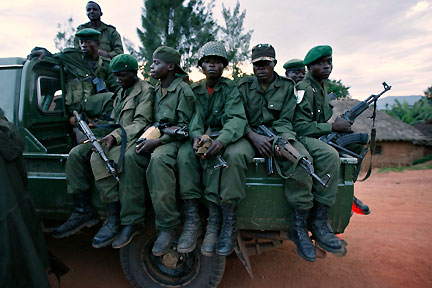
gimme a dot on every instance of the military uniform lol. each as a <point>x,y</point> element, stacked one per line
<point>174,105</point>
<point>221,111</point>
<point>110,39</point>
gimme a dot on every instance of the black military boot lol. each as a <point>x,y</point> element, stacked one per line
<point>191,228</point>
<point>163,243</point>
<point>110,227</point>
<point>84,215</point>
<point>126,235</point>
<point>322,231</point>
<point>359,207</point>
<point>298,233</point>
<point>227,238</point>
<point>212,232</point>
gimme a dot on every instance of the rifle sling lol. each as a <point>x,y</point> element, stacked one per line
<point>372,143</point>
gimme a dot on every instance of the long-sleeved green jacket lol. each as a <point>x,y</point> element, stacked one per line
<point>175,105</point>
<point>222,111</point>
<point>313,109</point>
<point>274,107</point>
<point>110,39</point>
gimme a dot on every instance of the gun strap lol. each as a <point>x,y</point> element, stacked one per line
<point>372,143</point>
<point>278,169</point>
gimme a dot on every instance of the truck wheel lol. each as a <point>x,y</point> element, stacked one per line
<point>173,269</point>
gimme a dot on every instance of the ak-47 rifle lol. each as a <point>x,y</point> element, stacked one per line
<point>96,145</point>
<point>339,140</point>
<point>157,130</point>
<point>291,154</point>
<point>205,142</point>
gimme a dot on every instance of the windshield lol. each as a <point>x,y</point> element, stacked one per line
<point>10,79</point>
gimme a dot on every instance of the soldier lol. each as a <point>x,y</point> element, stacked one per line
<point>132,110</point>
<point>295,69</point>
<point>314,109</point>
<point>90,82</point>
<point>218,107</point>
<point>110,40</point>
<point>155,159</point>
<point>269,100</point>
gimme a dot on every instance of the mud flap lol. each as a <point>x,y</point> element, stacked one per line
<point>242,254</point>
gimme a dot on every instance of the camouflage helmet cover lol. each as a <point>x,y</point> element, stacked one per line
<point>213,48</point>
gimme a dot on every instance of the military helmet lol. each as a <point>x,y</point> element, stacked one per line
<point>213,48</point>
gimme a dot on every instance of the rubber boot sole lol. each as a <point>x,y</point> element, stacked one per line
<point>105,243</point>
<point>129,240</point>
<point>330,249</point>
<point>77,229</point>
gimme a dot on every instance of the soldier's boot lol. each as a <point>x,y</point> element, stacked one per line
<point>208,246</point>
<point>359,207</point>
<point>110,227</point>
<point>126,235</point>
<point>322,231</point>
<point>84,215</point>
<point>191,228</point>
<point>227,238</point>
<point>163,243</point>
<point>298,233</point>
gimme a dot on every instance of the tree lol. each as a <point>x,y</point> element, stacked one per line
<point>338,88</point>
<point>66,34</point>
<point>236,41</point>
<point>428,94</point>
<point>421,111</point>
<point>183,25</point>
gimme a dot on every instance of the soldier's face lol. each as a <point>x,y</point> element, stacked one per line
<point>296,75</point>
<point>93,12</point>
<point>263,70</point>
<point>322,68</point>
<point>89,47</point>
<point>160,69</point>
<point>126,79</point>
<point>212,67</point>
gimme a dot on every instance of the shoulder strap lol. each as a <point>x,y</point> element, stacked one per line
<point>372,143</point>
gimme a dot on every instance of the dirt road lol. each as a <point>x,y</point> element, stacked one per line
<point>389,248</point>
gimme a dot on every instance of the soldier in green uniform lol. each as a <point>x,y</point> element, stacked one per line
<point>110,40</point>
<point>314,109</point>
<point>295,69</point>
<point>218,107</point>
<point>270,100</point>
<point>154,161</point>
<point>132,110</point>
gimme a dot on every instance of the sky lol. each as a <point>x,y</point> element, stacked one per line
<point>373,41</point>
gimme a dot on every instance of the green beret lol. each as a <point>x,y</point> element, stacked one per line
<point>88,34</point>
<point>317,53</point>
<point>263,52</point>
<point>294,64</point>
<point>124,62</point>
<point>169,55</point>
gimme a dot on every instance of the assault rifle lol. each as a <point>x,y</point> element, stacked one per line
<point>157,130</point>
<point>291,154</point>
<point>339,140</point>
<point>96,145</point>
<point>205,142</point>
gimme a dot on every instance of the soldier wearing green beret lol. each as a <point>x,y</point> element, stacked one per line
<point>154,161</point>
<point>270,100</point>
<point>110,40</point>
<point>295,69</point>
<point>218,107</point>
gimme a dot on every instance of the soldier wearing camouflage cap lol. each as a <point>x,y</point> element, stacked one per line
<point>219,108</point>
<point>295,69</point>
<point>110,40</point>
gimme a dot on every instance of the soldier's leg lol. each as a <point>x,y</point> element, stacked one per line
<point>232,191</point>
<point>79,180</point>
<point>161,179</point>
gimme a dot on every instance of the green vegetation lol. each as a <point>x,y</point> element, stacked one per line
<point>66,34</point>
<point>338,88</point>
<point>421,111</point>
<point>423,160</point>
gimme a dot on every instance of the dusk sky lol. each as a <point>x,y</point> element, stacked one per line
<point>373,41</point>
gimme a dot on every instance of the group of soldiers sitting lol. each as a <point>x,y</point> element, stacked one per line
<point>218,114</point>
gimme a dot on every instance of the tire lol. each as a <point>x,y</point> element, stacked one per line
<point>143,269</point>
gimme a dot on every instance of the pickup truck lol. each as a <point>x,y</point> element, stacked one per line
<point>31,98</point>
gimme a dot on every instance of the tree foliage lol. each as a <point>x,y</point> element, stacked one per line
<point>66,34</point>
<point>338,88</point>
<point>183,25</point>
<point>428,94</point>
<point>235,39</point>
<point>421,111</point>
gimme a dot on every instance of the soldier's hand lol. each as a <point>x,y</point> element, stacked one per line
<point>261,143</point>
<point>196,141</point>
<point>40,54</point>
<point>341,125</point>
<point>109,141</point>
<point>72,121</point>
<point>147,146</point>
<point>214,149</point>
<point>104,53</point>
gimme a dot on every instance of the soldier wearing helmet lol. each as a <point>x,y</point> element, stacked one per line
<point>219,108</point>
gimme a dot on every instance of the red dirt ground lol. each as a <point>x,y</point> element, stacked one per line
<point>388,248</point>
